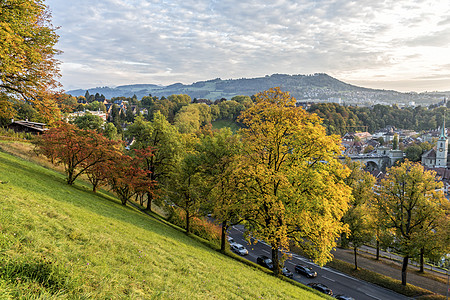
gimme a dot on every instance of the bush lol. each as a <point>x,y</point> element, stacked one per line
<point>199,226</point>
<point>11,134</point>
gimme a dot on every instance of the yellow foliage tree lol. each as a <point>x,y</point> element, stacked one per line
<point>412,204</point>
<point>293,183</point>
<point>27,65</point>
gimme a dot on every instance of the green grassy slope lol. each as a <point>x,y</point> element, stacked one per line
<point>63,242</point>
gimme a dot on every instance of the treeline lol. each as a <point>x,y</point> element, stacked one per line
<point>279,176</point>
<point>340,119</point>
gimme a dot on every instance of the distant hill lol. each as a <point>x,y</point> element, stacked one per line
<point>314,87</point>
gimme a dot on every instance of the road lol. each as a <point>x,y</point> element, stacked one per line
<point>340,283</point>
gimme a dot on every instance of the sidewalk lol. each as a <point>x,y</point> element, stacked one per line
<point>392,268</point>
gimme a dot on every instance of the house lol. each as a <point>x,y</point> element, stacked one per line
<point>74,115</point>
<point>28,127</point>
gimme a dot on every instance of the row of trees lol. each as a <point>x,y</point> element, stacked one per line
<point>406,211</point>
<point>102,160</point>
<point>341,119</point>
<point>279,176</point>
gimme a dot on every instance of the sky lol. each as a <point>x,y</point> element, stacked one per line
<point>402,45</point>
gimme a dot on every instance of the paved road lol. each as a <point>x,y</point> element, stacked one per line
<point>340,283</point>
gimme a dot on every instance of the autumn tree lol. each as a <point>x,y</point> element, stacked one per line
<point>28,67</point>
<point>359,218</point>
<point>127,178</point>
<point>76,149</point>
<point>413,205</point>
<point>293,181</point>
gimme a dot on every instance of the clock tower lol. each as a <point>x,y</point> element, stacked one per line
<point>442,149</point>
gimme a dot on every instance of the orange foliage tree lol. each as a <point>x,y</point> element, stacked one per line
<point>127,177</point>
<point>76,149</point>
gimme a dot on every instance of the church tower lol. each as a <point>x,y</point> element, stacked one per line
<point>442,149</point>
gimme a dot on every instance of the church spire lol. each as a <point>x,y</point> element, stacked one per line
<point>443,134</point>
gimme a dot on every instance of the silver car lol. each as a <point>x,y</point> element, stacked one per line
<point>239,249</point>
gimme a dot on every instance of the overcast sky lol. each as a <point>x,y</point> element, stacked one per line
<point>393,44</point>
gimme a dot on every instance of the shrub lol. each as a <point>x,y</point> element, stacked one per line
<point>199,226</point>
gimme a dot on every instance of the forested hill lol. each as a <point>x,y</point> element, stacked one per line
<point>303,87</point>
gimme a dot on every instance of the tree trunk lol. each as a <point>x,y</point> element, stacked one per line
<point>422,250</point>
<point>404,269</point>
<point>70,178</point>
<point>149,202</point>
<point>378,250</point>
<point>356,255</point>
<point>188,217</point>
<point>224,230</point>
<point>275,260</point>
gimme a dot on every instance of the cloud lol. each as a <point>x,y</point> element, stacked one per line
<point>119,42</point>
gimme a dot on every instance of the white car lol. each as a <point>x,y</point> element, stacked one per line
<point>239,249</point>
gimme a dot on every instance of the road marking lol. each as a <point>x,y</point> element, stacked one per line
<point>341,274</point>
<point>373,296</point>
<point>328,278</point>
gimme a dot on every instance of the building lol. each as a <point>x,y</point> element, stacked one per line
<point>438,156</point>
<point>28,127</point>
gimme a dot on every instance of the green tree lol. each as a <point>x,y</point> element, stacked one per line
<point>28,68</point>
<point>414,153</point>
<point>187,119</point>
<point>292,181</point>
<point>412,203</point>
<point>110,131</point>
<point>165,141</point>
<point>395,142</point>
<point>358,217</point>
<point>217,154</point>
<point>187,187</point>
<point>89,121</point>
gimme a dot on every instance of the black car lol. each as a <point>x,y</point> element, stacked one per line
<point>304,270</point>
<point>321,288</point>
<point>265,262</point>
<point>343,297</point>
<point>285,271</point>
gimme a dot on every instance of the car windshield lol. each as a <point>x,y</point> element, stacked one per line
<point>240,247</point>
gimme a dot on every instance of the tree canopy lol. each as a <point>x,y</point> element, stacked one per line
<point>292,181</point>
<point>28,68</point>
<point>412,204</point>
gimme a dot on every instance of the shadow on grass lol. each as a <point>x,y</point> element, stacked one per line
<point>41,272</point>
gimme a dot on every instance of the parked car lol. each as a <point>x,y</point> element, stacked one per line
<point>343,297</point>
<point>265,262</point>
<point>321,288</point>
<point>304,270</point>
<point>230,240</point>
<point>285,271</point>
<point>238,248</point>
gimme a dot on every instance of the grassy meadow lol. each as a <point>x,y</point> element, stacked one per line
<point>65,242</point>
